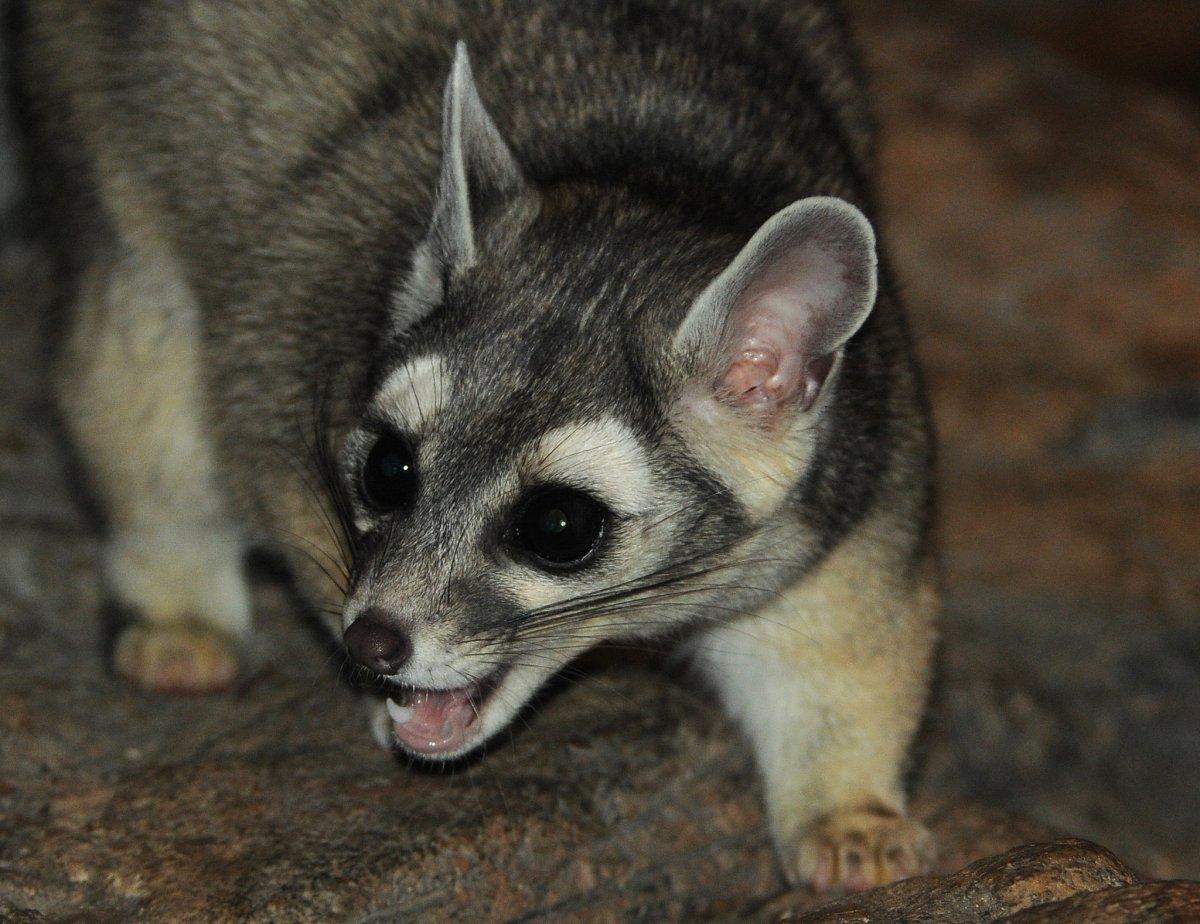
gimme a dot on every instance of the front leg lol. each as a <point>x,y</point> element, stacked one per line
<point>130,389</point>
<point>829,683</point>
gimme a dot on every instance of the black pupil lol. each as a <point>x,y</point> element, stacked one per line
<point>560,527</point>
<point>389,478</point>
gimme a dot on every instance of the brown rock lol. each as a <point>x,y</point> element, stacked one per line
<point>987,890</point>
<point>1046,225</point>
<point>1145,903</point>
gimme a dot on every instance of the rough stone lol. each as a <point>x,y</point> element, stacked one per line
<point>1145,903</point>
<point>986,890</point>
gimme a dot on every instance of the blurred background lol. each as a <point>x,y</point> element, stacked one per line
<point>1154,42</point>
<point>1040,175</point>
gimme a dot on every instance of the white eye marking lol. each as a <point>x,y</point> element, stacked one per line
<point>413,393</point>
<point>602,457</point>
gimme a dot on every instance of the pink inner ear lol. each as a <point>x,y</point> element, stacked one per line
<point>766,368</point>
<point>775,322</point>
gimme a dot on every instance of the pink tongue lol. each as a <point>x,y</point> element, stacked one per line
<point>439,721</point>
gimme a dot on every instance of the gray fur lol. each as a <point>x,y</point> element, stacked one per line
<point>341,199</point>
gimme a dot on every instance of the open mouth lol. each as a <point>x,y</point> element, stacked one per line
<point>439,722</point>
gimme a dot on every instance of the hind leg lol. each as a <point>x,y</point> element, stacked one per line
<point>129,386</point>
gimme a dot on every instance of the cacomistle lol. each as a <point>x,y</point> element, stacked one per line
<point>577,308</point>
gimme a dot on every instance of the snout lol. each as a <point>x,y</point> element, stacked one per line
<point>442,699</point>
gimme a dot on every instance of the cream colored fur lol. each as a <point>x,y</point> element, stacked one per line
<point>829,682</point>
<point>128,382</point>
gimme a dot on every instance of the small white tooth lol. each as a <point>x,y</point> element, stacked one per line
<point>400,714</point>
<point>381,728</point>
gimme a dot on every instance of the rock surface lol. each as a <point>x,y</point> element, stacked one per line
<point>986,890</point>
<point>1145,903</point>
<point>1066,880</point>
<point>1047,228</point>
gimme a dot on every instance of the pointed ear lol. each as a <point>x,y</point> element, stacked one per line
<point>768,330</point>
<point>478,170</point>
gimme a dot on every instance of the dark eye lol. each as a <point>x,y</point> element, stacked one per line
<point>389,477</point>
<point>560,527</point>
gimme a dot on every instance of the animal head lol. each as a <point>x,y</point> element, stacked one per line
<point>587,422</point>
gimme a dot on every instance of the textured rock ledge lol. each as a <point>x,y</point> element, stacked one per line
<point>1066,879</point>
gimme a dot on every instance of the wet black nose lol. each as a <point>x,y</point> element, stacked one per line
<point>373,643</point>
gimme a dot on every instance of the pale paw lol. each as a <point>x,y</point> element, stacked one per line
<point>851,850</point>
<point>176,658</point>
